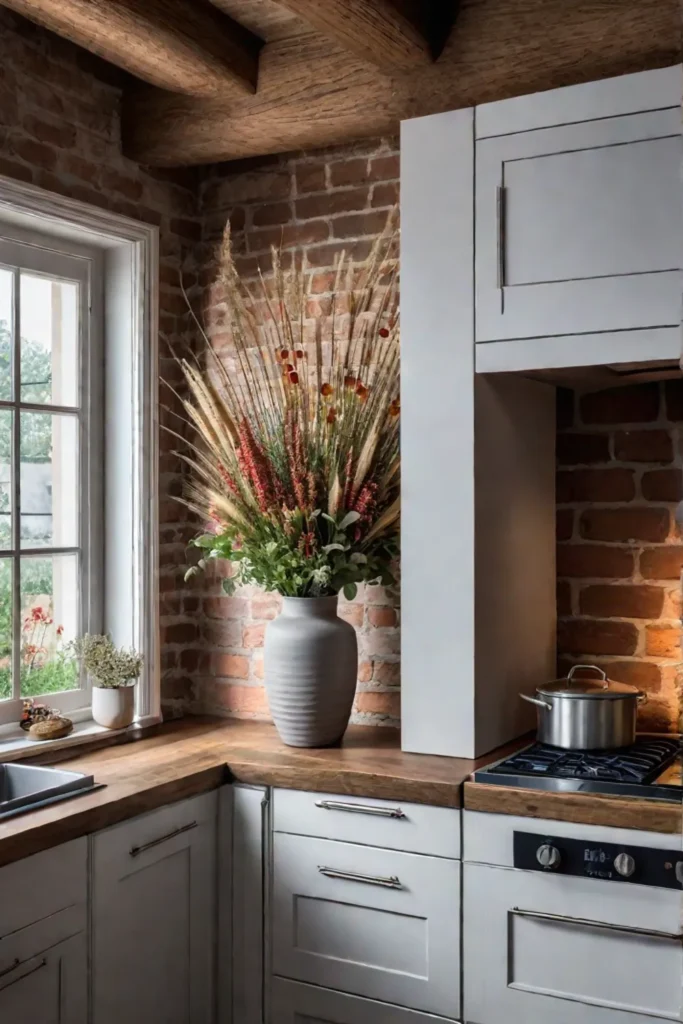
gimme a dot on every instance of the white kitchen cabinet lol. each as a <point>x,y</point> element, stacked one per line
<point>367,921</point>
<point>241,960</point>
<point>153,916</point>
<point>579,228</point>
<point>48,987</point>
<point>294,1003</point>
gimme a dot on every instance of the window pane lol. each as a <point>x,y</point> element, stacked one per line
<point>5,628</point>
<point>5,478</point>
<point>6,361</point>
<point>49,480</point>
<point>49,619</point>
<point>49,340</point>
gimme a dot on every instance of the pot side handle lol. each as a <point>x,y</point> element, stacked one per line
<point>539,703</point>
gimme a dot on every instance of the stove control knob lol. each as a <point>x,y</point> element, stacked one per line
<point>624,865</point>
<point>549,857</point>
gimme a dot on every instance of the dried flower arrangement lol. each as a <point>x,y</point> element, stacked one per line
<point>111,667</point>
<point>295,457</point>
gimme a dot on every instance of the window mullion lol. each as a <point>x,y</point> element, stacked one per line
<point>16,488</point>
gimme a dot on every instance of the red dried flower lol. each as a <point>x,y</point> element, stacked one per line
<point>293,377</point>
<point>362,392</point>
<point>350,382</point>
<point>395,407</point>
<point>284,354</point>
<point>332,415</point>
<point>326,390</point>
<point>383,332</point>
<point>299,354</point>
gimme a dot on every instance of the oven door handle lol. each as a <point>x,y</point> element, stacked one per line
<point>582,922</point>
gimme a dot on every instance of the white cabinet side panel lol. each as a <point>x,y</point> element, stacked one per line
<point>437,434</point>
<point>515,607</point>
<point>247,905</point>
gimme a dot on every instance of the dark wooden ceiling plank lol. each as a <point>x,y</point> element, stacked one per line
<point>180,45</point>
<point>313,94</point>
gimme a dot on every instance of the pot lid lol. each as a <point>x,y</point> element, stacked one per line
<point>587,686</point>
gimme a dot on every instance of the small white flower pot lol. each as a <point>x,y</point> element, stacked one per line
<point>113,707</point>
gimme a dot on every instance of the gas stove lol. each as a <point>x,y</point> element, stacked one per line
<point>650,768</point>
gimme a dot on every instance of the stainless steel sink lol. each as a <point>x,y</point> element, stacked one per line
<point>24,787</point>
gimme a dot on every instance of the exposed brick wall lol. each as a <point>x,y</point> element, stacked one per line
<point>316,204</point>
<point>59,129</point>
<point>620,555</point>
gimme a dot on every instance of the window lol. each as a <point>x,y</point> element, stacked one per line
<point>51,430</point>
<point>78,448</point>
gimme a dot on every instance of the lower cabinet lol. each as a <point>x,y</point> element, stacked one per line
<point>293,1003</point>
<point>371,922</point>
<point>44,983</point>
<point>153,914</point>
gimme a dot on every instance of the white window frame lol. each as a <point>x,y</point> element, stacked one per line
<point>129,255</point>
<point>61,259</point>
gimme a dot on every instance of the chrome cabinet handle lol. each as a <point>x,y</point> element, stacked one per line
<point>501,199</point>
<point>12,967</point>
<point>27,974</point>
<point>135,851</point>
<point>341,805</point>
<point>583,922</point>
<point>391,882</point>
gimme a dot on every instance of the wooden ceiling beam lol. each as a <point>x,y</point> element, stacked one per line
<point>179,45</point>
<point>383,32</point>
<point>312,94</point>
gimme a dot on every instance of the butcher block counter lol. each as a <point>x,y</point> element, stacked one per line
<point>194,755</point>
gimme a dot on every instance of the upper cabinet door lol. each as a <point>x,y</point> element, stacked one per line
<point>579,228</point>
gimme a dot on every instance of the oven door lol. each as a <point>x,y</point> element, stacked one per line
<point>571,950</point>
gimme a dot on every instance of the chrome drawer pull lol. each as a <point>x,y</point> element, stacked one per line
<point>12,967</point>
<point>135,851</point>
<point>392,882</point>
<point>624,929</point>
<point>15,965</point>
<point>340,805</point>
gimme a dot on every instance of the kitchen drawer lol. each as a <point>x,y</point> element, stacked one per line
<point>294,1003</point>
<point>43,884</point>
<point>28,942</point>
<point>571,950</point>
<point>125,848</point>
<point>391,824</point>
<point>369,922</point>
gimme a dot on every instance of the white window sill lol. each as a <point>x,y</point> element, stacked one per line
<point>16,744</point>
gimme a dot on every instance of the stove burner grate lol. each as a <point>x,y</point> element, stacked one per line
<point>641,763</point>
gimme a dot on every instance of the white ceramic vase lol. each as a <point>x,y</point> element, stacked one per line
<point>113,707</point>
<point>311,668</point>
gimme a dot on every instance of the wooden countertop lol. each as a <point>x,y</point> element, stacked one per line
<point>193,755</point>
<point>584,808</point>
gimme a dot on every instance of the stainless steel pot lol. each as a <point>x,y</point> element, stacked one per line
<point>586,713</point>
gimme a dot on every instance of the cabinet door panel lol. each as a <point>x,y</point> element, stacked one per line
<point>294,1003</point>
<point>579,228</point>
<point>49,988</point>
<point>153,917</point>
<point>367,921</point>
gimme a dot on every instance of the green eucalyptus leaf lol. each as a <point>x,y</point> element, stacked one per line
<point>350,591</point>
<point>228,586</point>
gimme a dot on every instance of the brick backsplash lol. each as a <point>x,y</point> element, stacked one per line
<point>620,554</point>
<point>315,204</point>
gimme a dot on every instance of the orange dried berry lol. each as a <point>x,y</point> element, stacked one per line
<point>284,354</point>
<point>293,377</point>
<point>299,354</point>
<point>326,390</point>
<point>362,392</point>
<point>332,415</point>
<point>350,382</point>
<point>289,368</point>
<point>383,332</point>
<point>395,407</point>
